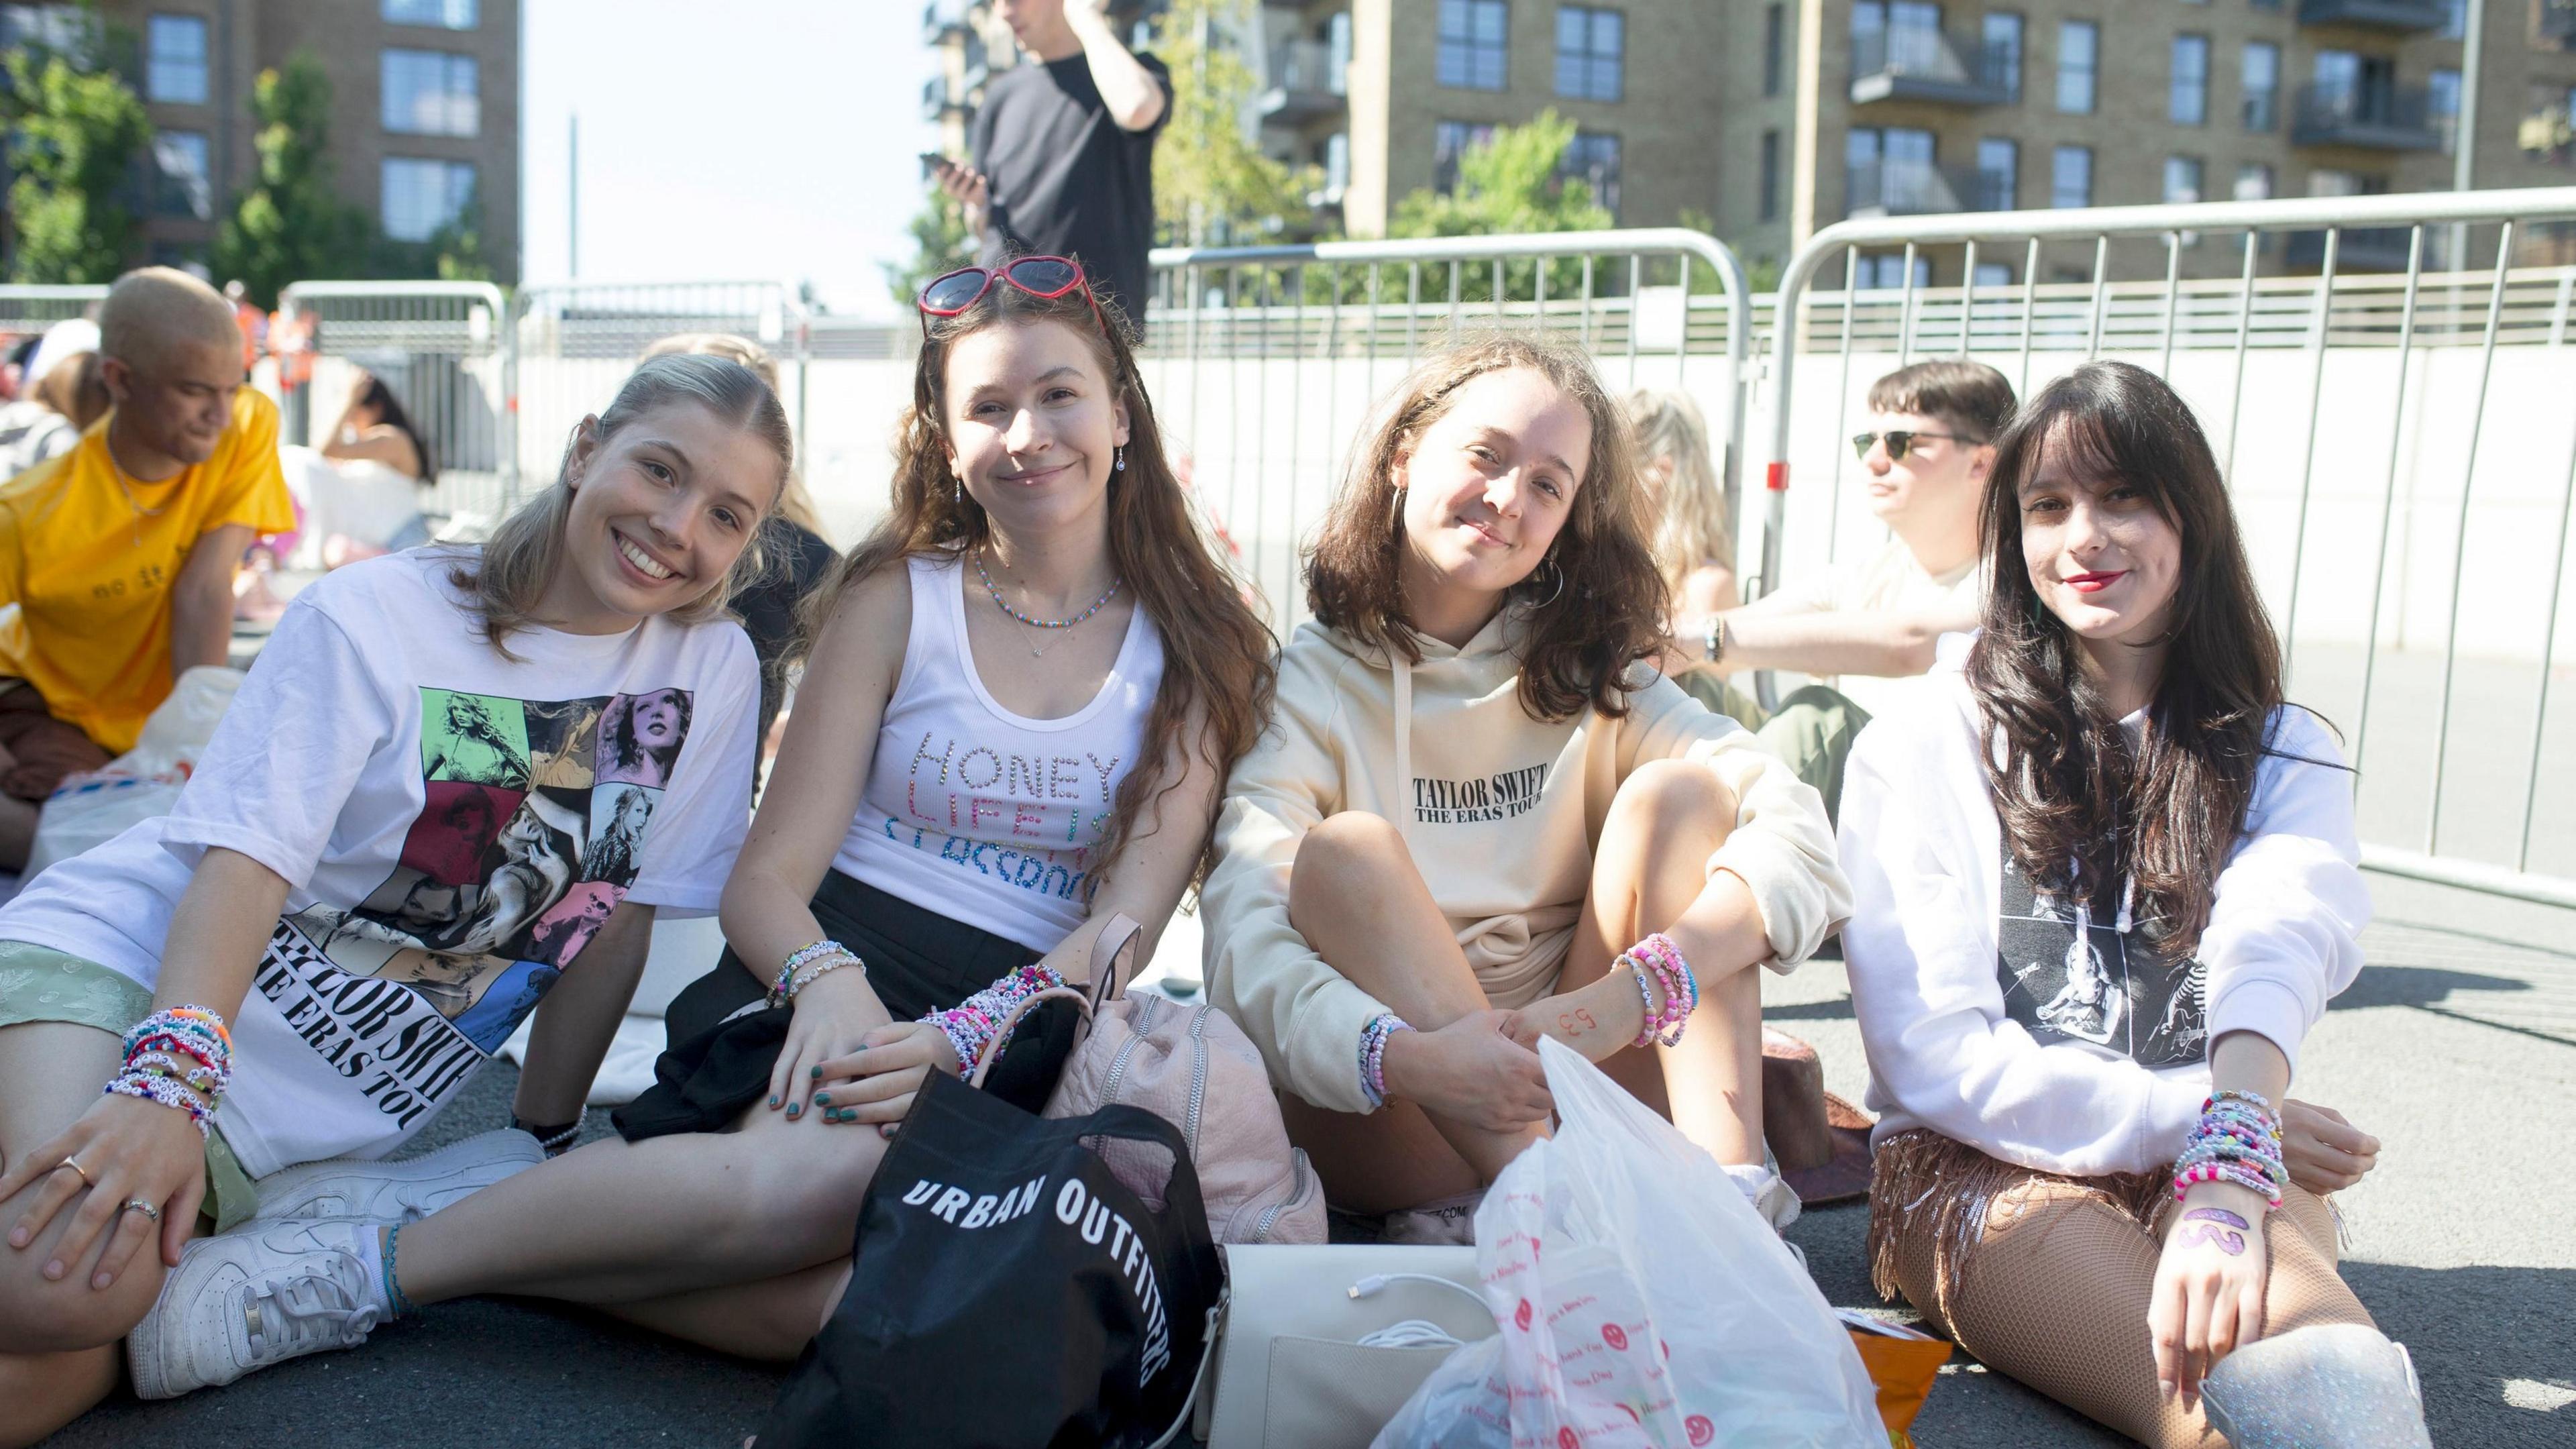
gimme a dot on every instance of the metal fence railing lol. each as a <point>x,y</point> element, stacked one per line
<point>2401,448</point>
<point>438,346</point>
<point>1264,362</point>
<point>28,309</point>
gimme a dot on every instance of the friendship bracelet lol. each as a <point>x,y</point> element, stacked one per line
<point>782,988</point>
<point>157,1050</point>
<point>971,1024</point>
<point>168,1093</point>
<point>2238,1141</point>
<point>817,970</point>
<point>1373,1039</point>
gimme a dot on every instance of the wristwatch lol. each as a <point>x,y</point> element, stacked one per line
<point>1713,643</point>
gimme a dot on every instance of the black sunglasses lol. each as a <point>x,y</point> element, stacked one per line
<point>1900,441</point>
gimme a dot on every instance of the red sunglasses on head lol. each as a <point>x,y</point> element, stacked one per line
<point>1046,278</point>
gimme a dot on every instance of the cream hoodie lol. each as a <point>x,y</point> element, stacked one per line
<point>1501,811</point>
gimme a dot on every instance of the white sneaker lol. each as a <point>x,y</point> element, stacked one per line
<point>396,1192</point>
<point>1769,1192</point>
<point>259,1295</point>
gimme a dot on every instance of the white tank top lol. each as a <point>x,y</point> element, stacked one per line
<point>985,816</point>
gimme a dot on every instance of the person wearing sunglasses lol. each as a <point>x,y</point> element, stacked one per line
<point>1860,629</point>
<point>1063,149</point>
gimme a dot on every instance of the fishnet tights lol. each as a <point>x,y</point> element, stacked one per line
<point>2056,1293</point>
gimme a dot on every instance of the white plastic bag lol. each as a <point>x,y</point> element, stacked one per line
<point>1641,1302</point>
<point>95,807</point>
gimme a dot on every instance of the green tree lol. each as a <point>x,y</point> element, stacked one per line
<point>1212,184</point>
<point>293,224</point>
<point>940,244</point>
<point>453,253</point>
<point>74,133</point>
<point>1510,184</point>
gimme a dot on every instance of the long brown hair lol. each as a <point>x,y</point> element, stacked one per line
<point>506,577</point>
<point>1579,640</point>
<point>2082,809</point>
<point>1218,670</point>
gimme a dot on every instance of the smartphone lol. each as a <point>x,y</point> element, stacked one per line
<point>932,163</point>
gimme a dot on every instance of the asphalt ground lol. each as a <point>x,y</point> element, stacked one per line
<point>2457,1048</point>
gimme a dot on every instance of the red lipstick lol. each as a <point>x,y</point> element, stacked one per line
<point>2094,583</point>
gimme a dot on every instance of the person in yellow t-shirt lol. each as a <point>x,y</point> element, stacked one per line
<point>117,558</point>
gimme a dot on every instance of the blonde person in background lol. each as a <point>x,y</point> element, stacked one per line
<point>1694,539</point>
<point>797,554</point>
<point>119,555</point>
<point>60,394</point>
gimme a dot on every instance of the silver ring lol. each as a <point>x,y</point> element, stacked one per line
<point>76,1167</point>
<point>138,1205</point>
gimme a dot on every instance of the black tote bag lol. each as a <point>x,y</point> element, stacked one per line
<point>1009,1290</point>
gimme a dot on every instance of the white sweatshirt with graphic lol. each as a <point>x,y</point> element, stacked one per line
<point>1985,1022</point>
<point>1501,813</point>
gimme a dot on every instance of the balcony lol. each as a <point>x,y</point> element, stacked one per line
<point>940,18</point>
<point>2361,249</point>
<point>1914,188</point>
<point>2372,117</point>
<point>2401,15</point>
<point>1303,83</point>
<point>1912,64</point>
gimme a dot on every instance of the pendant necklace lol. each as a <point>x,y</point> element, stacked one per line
<point>994,592</point>
<point>117,469</point>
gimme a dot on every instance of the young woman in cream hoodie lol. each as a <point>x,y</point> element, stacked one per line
<point>1477,794</point>
<point>2105,884</point>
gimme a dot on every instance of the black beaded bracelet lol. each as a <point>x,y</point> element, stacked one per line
<point>556,1140</point>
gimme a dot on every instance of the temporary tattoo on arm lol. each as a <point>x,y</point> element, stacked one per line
<point>2232,1243</point>
<point>1576,1023</point>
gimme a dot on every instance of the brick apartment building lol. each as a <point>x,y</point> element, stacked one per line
<point>425,108</point>
<point>1777,117</point>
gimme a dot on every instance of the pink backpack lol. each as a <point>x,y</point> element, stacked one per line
<point>1193,1067</point>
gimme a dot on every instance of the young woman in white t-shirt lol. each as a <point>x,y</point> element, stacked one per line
<point>1023,695</point>
<point>377,870</point>
<point>2104,885</point>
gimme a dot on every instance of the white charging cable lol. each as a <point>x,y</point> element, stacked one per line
<point>1413,1332</point>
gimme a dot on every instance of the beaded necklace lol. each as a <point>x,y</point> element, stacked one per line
<point>994,592</point>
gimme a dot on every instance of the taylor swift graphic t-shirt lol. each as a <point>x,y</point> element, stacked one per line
<point>456,826</point>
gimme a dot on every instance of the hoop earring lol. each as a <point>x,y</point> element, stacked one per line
<point>1558,570</point>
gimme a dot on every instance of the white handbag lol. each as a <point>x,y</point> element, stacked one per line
<point>1292,1371</point>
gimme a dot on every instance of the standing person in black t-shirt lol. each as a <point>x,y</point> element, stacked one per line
<point>1064,149</point>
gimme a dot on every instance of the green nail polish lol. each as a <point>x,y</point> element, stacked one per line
<point>773,1101</point>
<point>794,1108</point>
<point>820,1098</point>
<point>817,1072</point>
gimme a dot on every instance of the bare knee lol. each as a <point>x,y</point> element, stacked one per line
<point>802,1202</point>
<point>1675,794</point>
<point>38,1316</point>
<point>42,1393</point>
<point>1350,851</point>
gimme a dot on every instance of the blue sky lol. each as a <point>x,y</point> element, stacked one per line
<point>779,141</point>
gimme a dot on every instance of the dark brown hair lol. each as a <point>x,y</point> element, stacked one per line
<point>1969,396</point>
<point>1218,669</point>
<point>2082,808</point>
<point>1579,640</point>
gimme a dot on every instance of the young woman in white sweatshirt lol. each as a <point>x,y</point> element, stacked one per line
<point>1478,794</point>
<point>2104,884</point>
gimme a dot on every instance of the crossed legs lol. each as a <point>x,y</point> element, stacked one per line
<point>1356,897</point>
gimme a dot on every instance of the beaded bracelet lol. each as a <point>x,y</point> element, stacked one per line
<point>1665,1021</point>
<point>2238,1141</point>
<point>554,1140</point>
<point>1373,1039</point>
<point>970,1024</point>
<point>815,971</point>
<point>164,1091</point>
<point>782,988</point>
<point>157,1049</point>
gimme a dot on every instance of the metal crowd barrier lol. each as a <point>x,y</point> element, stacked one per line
<point>1266,362</point>
<point>439,346</point>
<point>26,309</point>
<point>2374,394</point>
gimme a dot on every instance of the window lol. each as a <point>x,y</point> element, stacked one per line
<point>1589,46</point>
<point>183,181</point>
<point>2079,45</point>
<point>2323,182</point>
<point>1474,41</point>
<point>1890,168</point>
<point>1451,140</point>
<point>2070,176</point>
<point>444,14</point>
<point>1896,35</point>
<point>1337,164</point>
<point>2455,20</point>
<point>2187,98</point>
<point>1887,270</point>
<point>174,69</point>
<point>1774,36</point>
<point>2182,179</point>
<point>2253,182</point>
<point>1770,176</point>
<point>1592,157</point>
<point>53,27</point>
<point>2262,85</point>
<point>431,93</point>
<point>2003,51</point>
<point>1993,274</point>
<point>1998,175</point>
<point>2442,105</point>
<point>422,196</point>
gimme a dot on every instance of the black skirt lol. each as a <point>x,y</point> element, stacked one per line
<point>724,1043</point>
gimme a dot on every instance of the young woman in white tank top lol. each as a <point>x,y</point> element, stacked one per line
<point>1023,697</point>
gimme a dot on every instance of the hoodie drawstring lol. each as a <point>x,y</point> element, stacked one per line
<point>1403,742</point>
